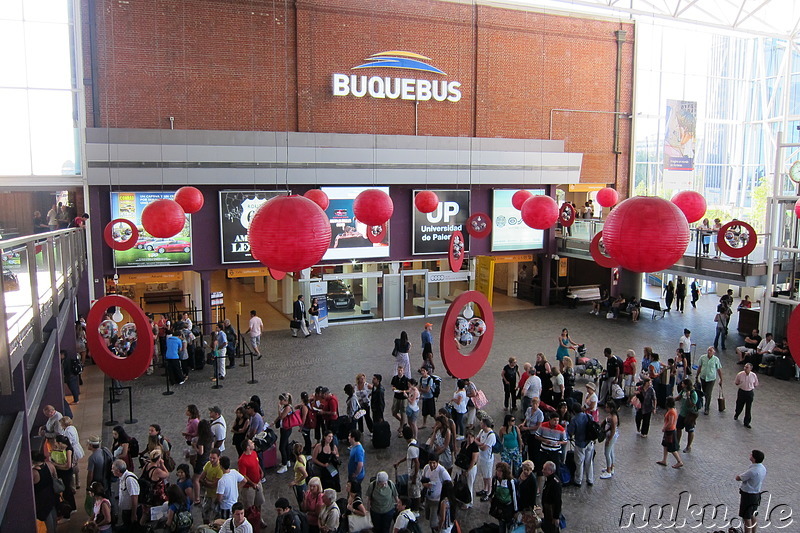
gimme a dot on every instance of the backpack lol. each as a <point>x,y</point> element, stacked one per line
<point>133,447</point>
<point>75,366</point>
<point>436,387</point>
<point>108,461</point>
<point>698,389</point>
<point>413,527</point>
<point>183,519</point>
<point>303,520</point>
<point>145,488</point>
<point>424,455</point>
<point>594,432</point>
<point>497,447</point>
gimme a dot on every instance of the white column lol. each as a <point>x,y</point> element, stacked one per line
<point>288,294</point>
<point>272,289</point>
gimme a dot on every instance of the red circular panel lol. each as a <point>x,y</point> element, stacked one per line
<point>120,245</point>
<point>479,225</point>
<point>466,365</point>
<point>457,253</point>
<point>277,274</point>
<point>793,334</point>
<point>121,368</point>
<point>742,251</point>
<point>566,215</point>
<point>376,234</point>
<point>602,260</point>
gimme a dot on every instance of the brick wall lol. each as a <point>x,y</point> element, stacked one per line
<point>264,65</point>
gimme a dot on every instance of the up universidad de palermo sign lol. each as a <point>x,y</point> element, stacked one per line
<point>394,88</point>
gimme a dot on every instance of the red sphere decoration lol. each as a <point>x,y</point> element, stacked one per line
<point>318,197</point>
<point>797,208</point>
<point>607,197</point>
<point>163,218</point>
<point>289,233</point>
<point>519,198</point>
<point>692,203</point>
<point>373,207</point>
<point>646,234</point>
<point>190,199</point>
<point>426,201</point>
<point>540,212</point>
<point>793,334</point>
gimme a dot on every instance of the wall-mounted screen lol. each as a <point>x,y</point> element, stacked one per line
<point>432,231</point>
<point>150,251</point>
<point>509,232</point>
<point>236,210</point>
<point>348,235</point>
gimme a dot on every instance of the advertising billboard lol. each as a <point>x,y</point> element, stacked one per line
<point>150,251</point>
<point>509,232</point>
<point>236,210</point>
<point>348,235</point>
<point>431,231</point>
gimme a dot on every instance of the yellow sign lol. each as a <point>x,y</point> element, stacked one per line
<point>587,187</point>
<point>562,267</point>
<point>247,272</point>
<point>513,258</point>
<point>154,277</point>
<point>484,276</point>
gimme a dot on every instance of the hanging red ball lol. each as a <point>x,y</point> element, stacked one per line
<point>540,212</point>
<point>318,197</point>
<point>426,201</point>
<point>289,233</point>
<point>190,199</point>
<point>797,208</point>
<point>607,197</point>
<point>373,207</point>
<point>519,199</point>
<point>163,218</point>
<point>646,234</point>
<point>692,203</point>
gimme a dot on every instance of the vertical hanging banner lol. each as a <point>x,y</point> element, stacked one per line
<point>432,231</point>
<point>680,144</point>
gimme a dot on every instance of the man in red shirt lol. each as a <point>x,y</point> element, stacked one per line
<point>330,410</point>
<point>251,493</point>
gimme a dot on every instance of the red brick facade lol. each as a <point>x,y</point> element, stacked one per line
<point>268,65</point>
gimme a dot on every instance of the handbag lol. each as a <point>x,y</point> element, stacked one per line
<point>480,400</point>
<point>58,485</point>
<point>292,420</point>
<point>359,523</point>
<point>294,324</point>
<point>636,402</point>
<point>721,400</point>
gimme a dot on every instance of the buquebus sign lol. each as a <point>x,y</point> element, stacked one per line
<point>397,88</point>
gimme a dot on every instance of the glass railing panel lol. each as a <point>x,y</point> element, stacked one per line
<point>17,290</point>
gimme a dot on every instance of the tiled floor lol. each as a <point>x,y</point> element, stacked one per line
<point>720,451</point>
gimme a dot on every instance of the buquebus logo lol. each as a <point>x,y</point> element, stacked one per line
<point>394,88</point>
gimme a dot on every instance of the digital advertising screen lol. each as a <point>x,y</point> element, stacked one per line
<point>150,251</point>
<point>236,210</point>
<point>348,235</point>
<point>432,231</point>
<point>509,232</point>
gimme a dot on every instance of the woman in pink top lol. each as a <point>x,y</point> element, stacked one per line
<point>193,414</point>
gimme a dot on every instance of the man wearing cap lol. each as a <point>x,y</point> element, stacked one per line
<point>218,427</point>
<point>97,463</point>
<point>427,339</point>
<point>382,496</point>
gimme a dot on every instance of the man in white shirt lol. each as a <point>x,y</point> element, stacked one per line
<point>128,492</point>
<point>52,427</point>
<point>764,350</point>
<point>228,487</point>
<point>218,427</point>
<point>255,328</point>
<point>404,514</point>
<point>433,475</point>
<point>531,389</point>
<point>746,381</point>
<point>237,523</point>
<point>685,344</point>
<point>750,490</point>
<point>486,439</point>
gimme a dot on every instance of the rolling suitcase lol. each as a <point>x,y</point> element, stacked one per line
<point>381,434</point>
<point>269,457</point>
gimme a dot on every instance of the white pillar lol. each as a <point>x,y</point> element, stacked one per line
<point>272,289</point>
<point>288,294</point>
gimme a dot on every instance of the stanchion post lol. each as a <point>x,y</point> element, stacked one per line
<point>253,379</point>
<point>217,385</point>
<point>130,419</point>
<point>111,422</point>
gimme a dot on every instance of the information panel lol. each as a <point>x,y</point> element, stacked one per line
<point>509,232</point>
<point>149,251</point>
<point>236,210</point>
<point>348,235</point>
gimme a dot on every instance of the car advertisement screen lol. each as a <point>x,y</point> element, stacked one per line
<point>348,235</point>
<point>509,232</point>
<point>236,210</point>
<point>432,231</point>
<point>149,251</point>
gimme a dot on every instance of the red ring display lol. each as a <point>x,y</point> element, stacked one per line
<point>376,238</point>
<point>466,365</point>
<point>602,260</point>
<point>117,245</point>
<point>793,334</point>
<point>729,250</point>
<point>455,263</point>
<point>121,368</point>
<point>566,207</point>
<point>475,233</point>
